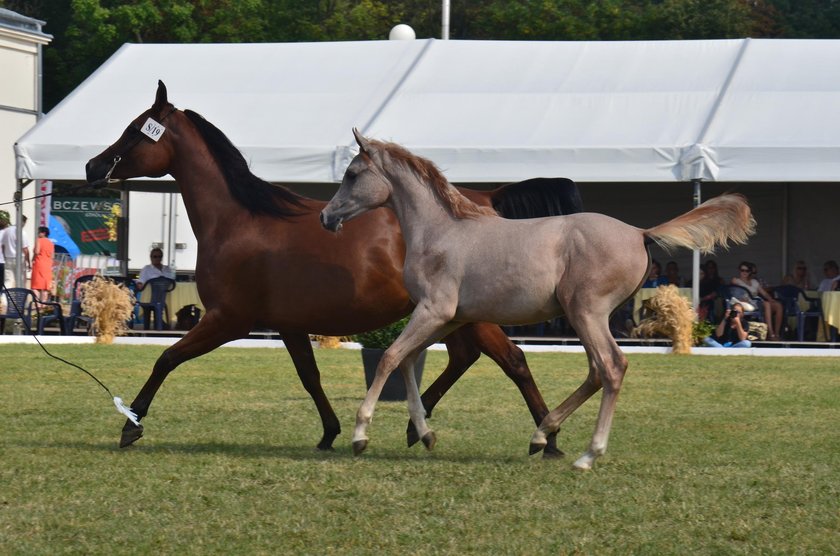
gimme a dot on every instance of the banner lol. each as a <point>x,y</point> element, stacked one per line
<point>85,221</point>
<point>44,189</point>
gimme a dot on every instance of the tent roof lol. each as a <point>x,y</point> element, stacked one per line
<point>484,111</point>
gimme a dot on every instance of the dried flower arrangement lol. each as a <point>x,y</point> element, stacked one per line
<point>111,306</point>
<point>674,318</point>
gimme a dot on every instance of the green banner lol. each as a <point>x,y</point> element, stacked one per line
<point>85,220</point>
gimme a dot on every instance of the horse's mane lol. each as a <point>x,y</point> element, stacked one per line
<point>457,205</point>
<point>253,193</point>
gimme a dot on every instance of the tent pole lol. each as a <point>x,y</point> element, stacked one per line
<point>695,266</point>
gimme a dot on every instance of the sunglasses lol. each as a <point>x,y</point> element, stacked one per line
<point>744,269</point>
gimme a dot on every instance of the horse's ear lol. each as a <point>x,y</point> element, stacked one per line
<point>160,98</point>
<point>363,143</point>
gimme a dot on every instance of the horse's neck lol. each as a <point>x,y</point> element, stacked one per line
<point>207,198</point>
<point>420,213</point>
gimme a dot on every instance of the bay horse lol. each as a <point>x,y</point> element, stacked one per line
<point>465,264</point>
<point>265,262</point>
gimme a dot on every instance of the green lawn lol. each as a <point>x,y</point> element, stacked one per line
<point>708,455</point>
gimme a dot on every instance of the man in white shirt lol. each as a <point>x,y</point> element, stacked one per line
<point>156,269</point>
<point>832,274</point>
<point>8,244</point>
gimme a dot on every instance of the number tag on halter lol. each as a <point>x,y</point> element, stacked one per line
<point>152,130</point>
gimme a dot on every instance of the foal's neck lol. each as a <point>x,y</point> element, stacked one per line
<point>421,213</point>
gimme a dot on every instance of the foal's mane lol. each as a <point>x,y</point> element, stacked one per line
<point>457,205</point>
<point>253,193</point>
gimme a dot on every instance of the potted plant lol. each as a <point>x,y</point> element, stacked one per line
<point>374,344</point>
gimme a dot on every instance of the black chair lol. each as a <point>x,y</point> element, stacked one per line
<point>742,294</point>
<point>160,286</point>
<point>789,297</point>
<point>76,315</point>
<point>52,312</point>
<point>20,304</point>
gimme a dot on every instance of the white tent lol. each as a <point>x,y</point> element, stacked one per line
<point>649,112</point>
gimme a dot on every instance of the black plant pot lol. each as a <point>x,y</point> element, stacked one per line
<point>394,389</point>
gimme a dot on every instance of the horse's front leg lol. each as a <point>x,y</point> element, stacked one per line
<point>300,349</point>
<point>211,332</point>
<point>423,329</point>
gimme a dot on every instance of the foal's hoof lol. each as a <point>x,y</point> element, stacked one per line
<point>535,447</point>
<point>429,440</point>
<point>411,435</point>
<point>359,446</point>
<point>131,433</point>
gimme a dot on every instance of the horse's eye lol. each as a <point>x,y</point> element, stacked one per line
<point>350,174</point>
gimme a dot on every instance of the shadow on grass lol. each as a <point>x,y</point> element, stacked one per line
<point>297,453</point>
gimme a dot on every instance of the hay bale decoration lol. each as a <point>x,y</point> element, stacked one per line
<point>674,318</point>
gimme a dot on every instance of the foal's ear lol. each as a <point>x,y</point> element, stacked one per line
<point>363,143</point>
<point>160,97</point>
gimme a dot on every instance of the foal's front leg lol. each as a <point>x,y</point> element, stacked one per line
<point>423,328</point>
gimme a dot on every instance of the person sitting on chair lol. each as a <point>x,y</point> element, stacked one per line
<point>655,277</point>
<point>832,276</point>
<point>730,331</point>
<point>156,269</point>
<point>799,277</point>
<point>773,310</point>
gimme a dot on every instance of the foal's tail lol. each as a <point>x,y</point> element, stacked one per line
<point>716,222</point>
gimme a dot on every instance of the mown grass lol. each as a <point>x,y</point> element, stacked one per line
<point>735,455</point>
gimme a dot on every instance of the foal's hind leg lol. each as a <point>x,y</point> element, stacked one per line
<point>208,334</point>
<point>300,349</point>
<point>465,345</point>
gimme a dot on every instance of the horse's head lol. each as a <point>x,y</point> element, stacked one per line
<point>364,186</point>
<point>142,149</point>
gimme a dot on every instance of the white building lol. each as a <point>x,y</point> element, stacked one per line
<point>21,41</point>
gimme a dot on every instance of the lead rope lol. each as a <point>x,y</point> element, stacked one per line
<point>118,402</point>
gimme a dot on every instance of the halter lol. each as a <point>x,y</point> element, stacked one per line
<point>106,179</point>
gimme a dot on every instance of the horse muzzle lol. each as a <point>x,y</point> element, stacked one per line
<point>330,223</point>
<point>98,174</point>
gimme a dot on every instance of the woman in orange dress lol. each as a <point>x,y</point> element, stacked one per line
<point>42,265</point>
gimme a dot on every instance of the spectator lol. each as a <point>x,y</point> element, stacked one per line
<point>156,269</point>
<point>830,269</point>
<point>42,264</point>
<point>799,277</point>
<point>773,310</point>
<point>710,284</point>
<point>4,225</point>
<point>655,277</point>
<point>730,331</point>
<point>672,274</point>
<point>8,244</point>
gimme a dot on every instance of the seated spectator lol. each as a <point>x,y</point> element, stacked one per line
<point>730,331</point>
<point>773,310</point>
<point>672,274</point>
<point>799,277</point>
<point>710,284</point>
<point>655,277</point>
<point>832,274</point>
<point>156,269</point>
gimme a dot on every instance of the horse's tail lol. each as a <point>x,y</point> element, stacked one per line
<point>716,222</point>
<point>537,197</point>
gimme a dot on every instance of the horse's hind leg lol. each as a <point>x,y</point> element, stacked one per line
<point>607,366</point>
<point>465,345</point>
<point>300,349</point>
<point>207,335</point>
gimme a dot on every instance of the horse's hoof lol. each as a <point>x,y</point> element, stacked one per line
<point>359,446</point>
<point>552,452</point>
<point>320,448</point>
<point>131,435</point>
<point>535,447</point>
<point>429,440</point>
<point>411,435</point>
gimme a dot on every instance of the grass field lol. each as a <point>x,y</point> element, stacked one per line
<point>708,455</point>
